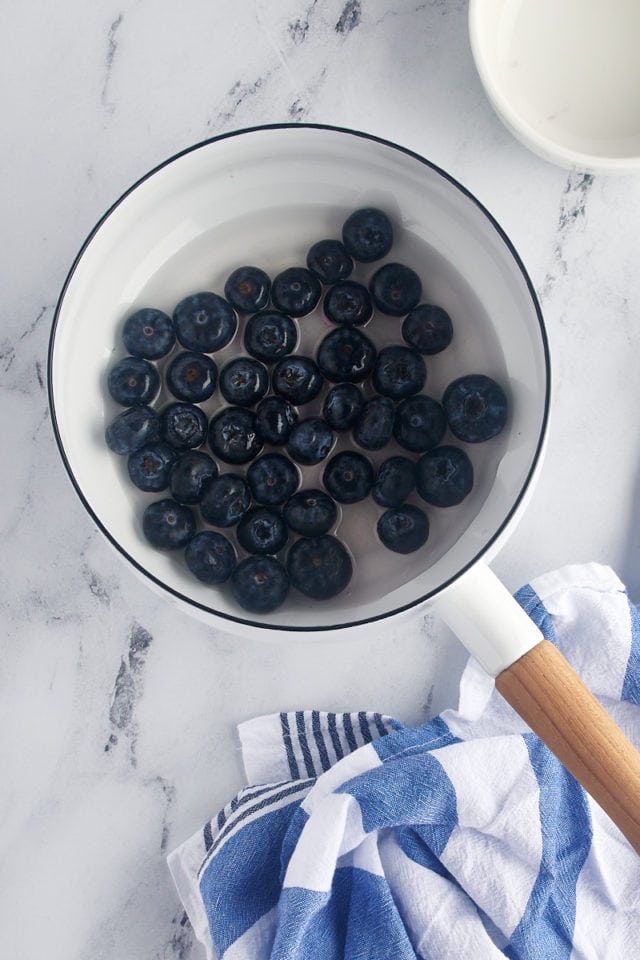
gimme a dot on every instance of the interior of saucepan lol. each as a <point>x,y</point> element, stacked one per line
<point>263,197</point>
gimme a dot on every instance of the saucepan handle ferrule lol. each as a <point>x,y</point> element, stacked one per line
<point>484,616</point>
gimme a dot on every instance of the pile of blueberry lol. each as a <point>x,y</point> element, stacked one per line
<point>242,470</point>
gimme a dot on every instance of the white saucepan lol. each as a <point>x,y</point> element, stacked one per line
<point>263,196</point>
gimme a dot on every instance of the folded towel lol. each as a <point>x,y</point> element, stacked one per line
<point>461,839</point>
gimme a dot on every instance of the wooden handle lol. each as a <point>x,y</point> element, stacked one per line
<point>551,698</point>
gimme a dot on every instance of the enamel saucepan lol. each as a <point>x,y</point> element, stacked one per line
<point>263,196</point>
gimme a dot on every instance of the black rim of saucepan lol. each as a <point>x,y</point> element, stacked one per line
<point>286,628</point>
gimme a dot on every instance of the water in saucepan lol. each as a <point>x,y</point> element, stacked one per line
<point>280,239</point>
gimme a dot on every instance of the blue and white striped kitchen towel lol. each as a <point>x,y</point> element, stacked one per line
<point>461,839</point>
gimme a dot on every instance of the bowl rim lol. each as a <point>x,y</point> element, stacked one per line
<point>525,132</point>
<point>239,620</point>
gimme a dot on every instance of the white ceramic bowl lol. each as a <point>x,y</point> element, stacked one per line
<point>564,77</point>
<point>264,196</point>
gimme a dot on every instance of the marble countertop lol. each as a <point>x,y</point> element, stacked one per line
<point>118,711</point>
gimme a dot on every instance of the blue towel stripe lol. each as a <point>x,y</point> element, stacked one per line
<point>297,789</point>
<point>252,793</point>
<point>546,927</point>
<point>304,746</point>
<point>335,739</point>
<point>318,737</point>
<point>207,835</point>
<point>349,733</point>
<point>416,791</point>
<point>320,925</point>
<point>286,739</point>
<point>379,724</point>
<point>631,684</point>
<point>252,851</point>
<point>365,728</point>
<point>408,740</point>
<point>417,846</point>
<point>534,607</point>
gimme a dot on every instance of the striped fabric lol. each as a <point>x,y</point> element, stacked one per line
<point>461,839</point>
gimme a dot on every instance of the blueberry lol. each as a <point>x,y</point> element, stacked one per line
<point>395,480</point>
<point>403,529</point>
<point>133,380</point>
<point>272,479</point>
<point>225,501</point>
<point>204,322</point>
<point>192,376</point>
<point>244,381</point>
<point>348,477</point>
<point>319,567</point>
<point>233,435</point>
<point>168,525</point>
<point>183,425</point>
<point>270,335</point>
<point>396,289</point>
<point>310,441</point>
<point>262,531</point>
<point>374,427</point>
<point>190,475</point>
<point>444,476</point>
<point>150,466</point>
<point>132,429</point>
<point>247,289</point>
<point>297,379</point>
<point>476,408</point>
<point>420,423</point>
<point>148,333</point>
<point>329,261</point>
<point>310,512</point>
<point>342,405</point>
<point>367,234</point>
<point>260,584</point>
<point>399,372</point>
<point>428,328</point>
<point>348,303</point>
<point>346,355</point>
<point>275,418</point>
<point>210,557</point>
<point>295,291</point>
